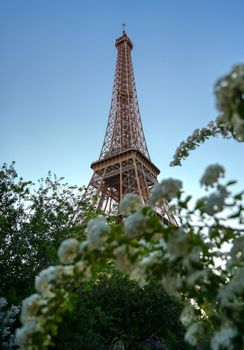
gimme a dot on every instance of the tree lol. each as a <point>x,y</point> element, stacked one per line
<point>34,221</point>
<point>115,309</point>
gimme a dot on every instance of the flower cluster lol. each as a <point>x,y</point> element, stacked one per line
<point>212,175</point>
<point>52,298</point>
<point>215,202</point>
<point>97,232</point>
<point>135,225</point>
<point>130,204</point>
<point>166,190</point>
<point>192,142</point>
<point>229,92</point>
<point>68,251</point>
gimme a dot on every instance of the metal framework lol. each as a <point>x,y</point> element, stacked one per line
<point>124,164</point>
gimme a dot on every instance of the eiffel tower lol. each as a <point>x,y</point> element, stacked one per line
<point>124,165</point>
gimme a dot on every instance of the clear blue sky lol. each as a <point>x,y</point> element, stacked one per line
<point>57,61</point>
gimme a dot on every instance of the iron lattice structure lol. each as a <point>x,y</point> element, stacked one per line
<point>124,165</point>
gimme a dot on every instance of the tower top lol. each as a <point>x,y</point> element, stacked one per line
<point>123,39</point>
<point>124,130</point>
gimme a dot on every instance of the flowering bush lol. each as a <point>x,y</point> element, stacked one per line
<point>34,220</point>
<point>183,259</point>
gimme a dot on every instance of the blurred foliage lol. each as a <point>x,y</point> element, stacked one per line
<point>114,308</point>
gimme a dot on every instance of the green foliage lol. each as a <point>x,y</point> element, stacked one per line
<point>115,308</point>
<point>34,220</point>
<point>8,324</point>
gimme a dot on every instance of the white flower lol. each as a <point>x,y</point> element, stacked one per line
<point>223,338</point>
<point>25,333</point>
<point>238,124</point>
<point>51,276</point>
<point>63,272</point>
<point>177,244</point>
<point>139,269</point>
<point>212,175</point>
<point>237,251</point>
<point>130,204</point>
<point>68,251</point>
<point>135,225</point>
<point>42,282</point>
<point>187,316</point>
<point>30,307</point>
<point>97,231</point>
<point>166,190</point>
<point>122,259</point>
<point>234,288</point>
<point>82,247</point>
<point>82,268</point>
<point>138,274</point>
<point>230,101</point>
<point>194,333</point>
<point>151,259</point>
<point>214,203</point>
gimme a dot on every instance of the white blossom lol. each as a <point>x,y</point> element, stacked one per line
<point>68,251</point>
<point>151,259</point>
<point>214,204</point>
<point>212,175</point>
<point>165,190</point>
<point>194,333</point>
<point>30,307</point>
<point>123,259</point>
<point>46,280</point>
<point>130,204</point>
<point>230,100</point>
<point>82,247</point>
<point>237,251</point>
<point>25,333</point>
<point>238,124</point>
<point>187,316</point>
<point>82,268</point>
<point>177,245</point>
<point>139,269</point>
<point>42,282</point>
<point>234,288</point>
<point>97,231</point>
<point>223,338</point>
<point>135,225</point>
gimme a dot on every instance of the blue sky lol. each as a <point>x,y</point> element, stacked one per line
<point>57,62</point>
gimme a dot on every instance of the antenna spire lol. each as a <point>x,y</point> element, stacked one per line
<point>123,25</point>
